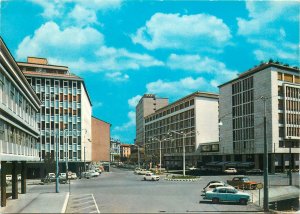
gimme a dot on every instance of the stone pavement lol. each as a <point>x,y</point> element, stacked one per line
<point>45,202</point>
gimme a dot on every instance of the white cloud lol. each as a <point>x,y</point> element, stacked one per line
<point>198,64</point>
<point>263,13</point>
<point>117,76</point>
<point>57,8</point>
<point>83,16</point>
<point>51,41</point>
<point>132,102</point>
<point>127,125</point>
<point>200,32</point>
<point>178,88</point>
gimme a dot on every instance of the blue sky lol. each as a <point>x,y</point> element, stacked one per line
<point>124,49</point>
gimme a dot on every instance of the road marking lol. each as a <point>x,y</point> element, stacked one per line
<point>95,203</point>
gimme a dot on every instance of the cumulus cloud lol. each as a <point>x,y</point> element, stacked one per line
<point>200,32</point>
<point>54,42</point>
<point>263,13</point>
<point>132,102</point>
<point>82,16</point>
<point>117,76</point>
<point>199,64</point>
<point>178,88</point>
<point>50,40</point>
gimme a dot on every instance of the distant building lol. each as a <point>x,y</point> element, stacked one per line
<point>115,150</point>
<point>19,132</point>
<point>196,114</point>
<point>65,115</point>
<point>242,113</point>
<point>147,105</point>
<point>125,151</point>
<point>100,140</point>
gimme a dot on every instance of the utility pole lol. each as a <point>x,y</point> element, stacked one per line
<point>266,184</point>
<point>57,169</point>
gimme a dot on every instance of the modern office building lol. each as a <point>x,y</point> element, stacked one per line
<point>242,116</point>
<point>65,116</point>
<point>147,105</point>
<point>18,126</point>
<point>100,140</point>
<point>195,116</point>
<point>115,150</point>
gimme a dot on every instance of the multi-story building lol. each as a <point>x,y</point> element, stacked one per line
<point>18,126</point>
<point>115,150</point>
<point>125,151</point>
<point>242,116</point>
<point>195,116</point>
<point>100,140</point>
<point>147,105</point>
<point>65,116</point>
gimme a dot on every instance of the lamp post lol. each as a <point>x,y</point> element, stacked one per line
<point>84,149</point>
<point>160,141</point>
<point>66,149</point>
<point>57,167</point>
<point>183,144</point>
<point>290,163</point>
<point>266,184</point>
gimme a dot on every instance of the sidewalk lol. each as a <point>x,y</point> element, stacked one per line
<point>48,202</point>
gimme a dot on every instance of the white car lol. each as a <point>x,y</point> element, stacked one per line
<point>94,173</point>
<point>231,171</point>
<point>151,177</point>
<point>73,176</point>
<point>211,186</point>
<point>62,175</point>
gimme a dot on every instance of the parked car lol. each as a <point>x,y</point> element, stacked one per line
<point>86,175</point>
<point>212,186</point>
<point>227,194</point>
<point>255,172</point>
<point>94,173</point>
<point>8,177</point>
<point>230,171</point>
<point>141,171</point>
<point>192,168</point>
<point>62,175</point>
<point>242,182</point>
<point>213,182</point>
<point>48,179</point>
<point>73,176</point>
<point>151,177</point>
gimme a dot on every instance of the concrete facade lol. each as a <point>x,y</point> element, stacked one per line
<point>18,125</point>
<point>147,105</point>
<point>65,116</point>
<point>125,150</point>
<point>195,116</point>
<point>100,140</point>
<point>242,113</point>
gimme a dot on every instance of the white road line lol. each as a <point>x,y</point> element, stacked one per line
<point>95,203</point>
<point>83,208</point>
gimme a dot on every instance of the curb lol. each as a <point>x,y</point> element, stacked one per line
<point>63,210</point>
<point>194,179</point>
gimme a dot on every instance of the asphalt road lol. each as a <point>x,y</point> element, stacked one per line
<point>121,191</point>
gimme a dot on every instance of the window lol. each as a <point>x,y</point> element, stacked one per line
<point>279,76</point>
<point>288,77</point>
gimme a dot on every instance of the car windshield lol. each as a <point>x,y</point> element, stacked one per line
<point>245,179</point>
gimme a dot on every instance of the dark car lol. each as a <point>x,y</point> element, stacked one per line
<point>254,172</point>
<point>48,179</point>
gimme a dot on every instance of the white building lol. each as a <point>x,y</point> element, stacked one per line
<point>242,113</point>
<point>148,104</point>
<point>65,116</point>
<point>18,126</point>
<point>196,114</point>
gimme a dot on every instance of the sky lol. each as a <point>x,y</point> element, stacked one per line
<point>124,49</point>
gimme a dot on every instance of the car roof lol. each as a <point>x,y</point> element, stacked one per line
<point>226,187</point>
<point>216,183</point>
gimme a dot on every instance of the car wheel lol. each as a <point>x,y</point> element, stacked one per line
<point>215,200</point>
<point>144,179</point>
<point>153,179</point>
<point>243,201</point>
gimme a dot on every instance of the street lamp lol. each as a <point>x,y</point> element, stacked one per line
<point>66,150</point>
<point>266,182</point>
<point>183,144</point>
<point>57,167</point>
<point>138,148</point>
<point>164,139</point>
<point>84,149</point>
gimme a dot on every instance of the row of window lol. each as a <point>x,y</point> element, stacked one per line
<point>243,134</point>
<point>53,82</point>
<point>242,85</point>
<point>244,97</point>
<point>14,100</point>
<point>243,122</point>
<point>292,105</point>
<point>293,119</point>
<point>293,131</point>
<point>288,77</point>
<point>292,92</point>
<point>74,156</point>
<point>12,134</point>
<point>242,110</point>
<point>175,108</point>
<point>243,146</point>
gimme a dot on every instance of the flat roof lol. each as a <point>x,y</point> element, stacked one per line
<point>260,68</point>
